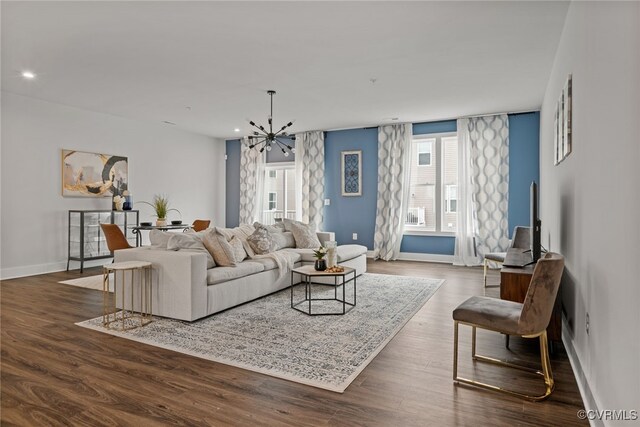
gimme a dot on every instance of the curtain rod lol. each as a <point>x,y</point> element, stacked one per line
<point>442,120</point>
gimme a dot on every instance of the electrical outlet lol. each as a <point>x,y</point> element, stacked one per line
<point>587,323</point>
<point>354,236</point>
<point>327,202</point>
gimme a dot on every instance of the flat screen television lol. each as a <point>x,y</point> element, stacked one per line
<point>536,224</point>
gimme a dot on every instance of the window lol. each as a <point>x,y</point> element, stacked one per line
<point>433,203</point>
<point>424,153</point>
<point>451,200</point>
<point>273,200</point>
<point>279,193</point>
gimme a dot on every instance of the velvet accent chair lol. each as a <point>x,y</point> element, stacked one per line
<point>200,224</point>
<point>528,320</point>
<point>115,237</point>
<point>521,240</point>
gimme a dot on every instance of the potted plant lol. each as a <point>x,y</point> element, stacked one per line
<point>321,263</point>
<point>160,205</point>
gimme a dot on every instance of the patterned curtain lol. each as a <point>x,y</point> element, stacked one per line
<point>394,175</point>
<point>252,163</point>
<point>483,177</point>
<point>310,178</point>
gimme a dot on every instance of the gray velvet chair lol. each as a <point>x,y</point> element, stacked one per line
<point>521,239</point>
<point>528,320</point>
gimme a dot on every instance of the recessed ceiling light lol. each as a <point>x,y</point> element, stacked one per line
<point>236,130</point>
<point>29,75</point>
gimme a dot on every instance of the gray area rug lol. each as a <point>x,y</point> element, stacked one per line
<point>269,337</point>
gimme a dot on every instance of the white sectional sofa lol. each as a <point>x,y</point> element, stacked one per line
<point>184,289</point>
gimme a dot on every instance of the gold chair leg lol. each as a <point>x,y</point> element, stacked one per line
<point>545,373</point>
<point>485,272</point>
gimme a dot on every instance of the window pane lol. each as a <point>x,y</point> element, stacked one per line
<point>450,183</point>
<point>279,195</point>
<point>424,150</point>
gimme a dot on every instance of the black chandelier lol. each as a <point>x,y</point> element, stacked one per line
<point>268,139</point>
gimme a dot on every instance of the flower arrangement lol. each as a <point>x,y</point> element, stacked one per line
<point>320,252</point>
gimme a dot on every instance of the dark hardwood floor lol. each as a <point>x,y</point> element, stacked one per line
<point>56,373</point>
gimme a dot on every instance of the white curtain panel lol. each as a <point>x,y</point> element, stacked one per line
<point>310,178</point>
<point>483,178</point>
<point>394,175</point>
<point>252,163</point>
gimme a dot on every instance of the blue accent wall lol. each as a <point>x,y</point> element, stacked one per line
<point>232,198</point>
<point>347,215</point>
<point>524,164</point>
<point>351,214</point>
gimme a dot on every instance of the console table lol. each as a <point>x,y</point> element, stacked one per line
<point>514,284</point>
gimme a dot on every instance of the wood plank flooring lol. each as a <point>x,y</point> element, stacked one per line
<point>56,373</point>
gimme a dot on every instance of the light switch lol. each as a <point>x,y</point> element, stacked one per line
<point>327,202</point>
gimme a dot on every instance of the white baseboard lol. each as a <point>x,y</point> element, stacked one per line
<point>52,267</point>
<point>414,256</point>
<point>583,385</point>
<point>411,256</point>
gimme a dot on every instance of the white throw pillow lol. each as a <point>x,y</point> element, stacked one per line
<point>159,239</point>
<point>226,253</point>
<point>304,234</point>
<point>189,242</point>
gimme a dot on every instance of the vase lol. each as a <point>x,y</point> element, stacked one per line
<point>331,253</point>
<point>320,265</point>
<point>161,222</point>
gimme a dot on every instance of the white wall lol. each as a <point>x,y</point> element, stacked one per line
<point>188,168</point>
<point>590,203</point>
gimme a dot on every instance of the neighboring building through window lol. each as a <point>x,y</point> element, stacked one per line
<point>279,193</point>
<point>273,201</point>
<point>424,152</point>
<point>433,203</point>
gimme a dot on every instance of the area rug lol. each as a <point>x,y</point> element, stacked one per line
<point>89,282</point>
<point>269,337</point>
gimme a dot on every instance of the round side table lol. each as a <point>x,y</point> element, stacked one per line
<point>131,274</point>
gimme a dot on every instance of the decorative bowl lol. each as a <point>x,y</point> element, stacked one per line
<point>176,222</point>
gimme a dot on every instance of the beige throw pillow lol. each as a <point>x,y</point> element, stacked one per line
<point>226,253</point>
<point>304,235</point>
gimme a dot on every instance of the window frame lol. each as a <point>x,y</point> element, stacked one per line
<point>274,201</point>
<point>288,167</point>
<point>437,152</point>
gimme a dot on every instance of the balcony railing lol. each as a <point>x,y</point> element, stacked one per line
<point>415,216</point>
<point>270,217</point>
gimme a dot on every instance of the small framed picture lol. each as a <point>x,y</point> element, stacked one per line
<point>351,167</point>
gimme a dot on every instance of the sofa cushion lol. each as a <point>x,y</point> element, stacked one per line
<point>347,252</point>
<point>224,274</point>
<point>188,243</point>
<point>304,234</point>
<point>270,263</point>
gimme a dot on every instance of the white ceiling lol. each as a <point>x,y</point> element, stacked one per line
<point>151,60</point>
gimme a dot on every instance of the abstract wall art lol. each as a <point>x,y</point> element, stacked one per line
<point>351,167</point>
<point>563,138</point>
<point>93,175</point>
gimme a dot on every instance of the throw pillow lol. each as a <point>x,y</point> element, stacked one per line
<point>284,240</point>
<point>261,241</point>
<point>226,253</point>
<point>305,237</point>
<point>159,239</point>
<point>189,243</point>
<point>288,224</point>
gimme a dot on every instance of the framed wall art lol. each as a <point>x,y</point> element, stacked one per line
<point>562,140</point>
<point>87,174</point>
<point>351,167</point>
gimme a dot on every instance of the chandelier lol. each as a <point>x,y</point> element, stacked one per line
<point>269,139</point>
